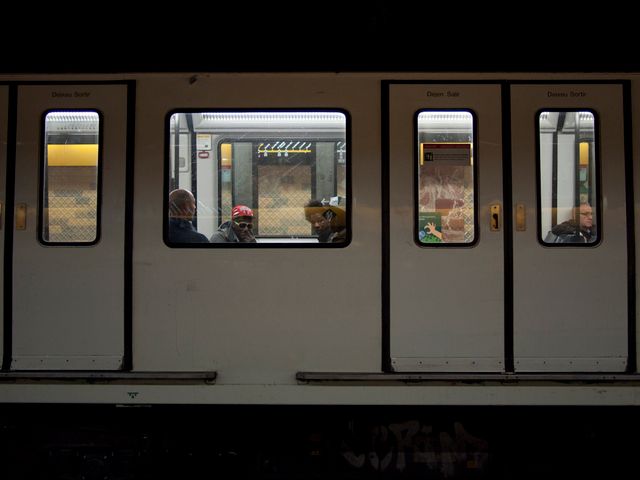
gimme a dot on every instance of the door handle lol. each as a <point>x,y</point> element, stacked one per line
<point>21,216</point>
<point>521,217</point>
<point>495,218</point>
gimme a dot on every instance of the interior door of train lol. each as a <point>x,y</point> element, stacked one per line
<point>570,241</point>
<point>446,239</point>
<point>69,228</point>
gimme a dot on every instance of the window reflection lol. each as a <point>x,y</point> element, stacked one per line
<point>567,166</point>
<point>272,164</point>
<point>446,205</point>
<point>69,212</point>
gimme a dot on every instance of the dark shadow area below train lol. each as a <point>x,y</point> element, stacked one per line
<point>290,442</point>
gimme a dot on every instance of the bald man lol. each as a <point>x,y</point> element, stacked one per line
<point>182,207</point>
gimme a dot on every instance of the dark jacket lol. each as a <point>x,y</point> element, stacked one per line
<point>338,237</point>
<point>225,234</point>
<point>570,232</point>
<point>182,231</point>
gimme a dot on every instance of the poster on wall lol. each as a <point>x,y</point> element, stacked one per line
<point>445,153</point>
<point>430,227</point>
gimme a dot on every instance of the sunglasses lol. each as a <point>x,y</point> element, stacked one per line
<point>244,225</point>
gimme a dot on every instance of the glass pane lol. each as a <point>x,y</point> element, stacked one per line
<point>258,177</point>
<point>446,196</point>
<point>567,166</point>
<point>70,177</point>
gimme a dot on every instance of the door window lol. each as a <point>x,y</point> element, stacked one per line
<point>567,167</point>
<point>69,212</point>
<point>446,178</point>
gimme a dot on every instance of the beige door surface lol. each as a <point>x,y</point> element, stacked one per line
<point>68,300</point>
<point>446,303</point>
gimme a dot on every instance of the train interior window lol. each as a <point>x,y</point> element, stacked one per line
<point>276,177</point>
<point>568,181</point>
<point>445,176</point>
<point>70,181</point>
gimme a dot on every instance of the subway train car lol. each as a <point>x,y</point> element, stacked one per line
<point>352,272</point>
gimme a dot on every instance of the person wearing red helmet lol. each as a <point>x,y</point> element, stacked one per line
<point>237,230</point>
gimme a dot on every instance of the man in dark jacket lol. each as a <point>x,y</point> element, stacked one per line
<point>238,229</point>
<point>182,207</point>
<point>327,221</point>
<point>580,229</point>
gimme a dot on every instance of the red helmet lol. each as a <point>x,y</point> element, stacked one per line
<point>241,211</point>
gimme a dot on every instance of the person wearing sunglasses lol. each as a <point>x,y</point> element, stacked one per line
<point>237,230</point>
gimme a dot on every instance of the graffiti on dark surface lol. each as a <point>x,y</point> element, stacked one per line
<point>413,447</point>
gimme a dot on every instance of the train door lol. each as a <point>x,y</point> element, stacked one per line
<point>4,108</point>
<point>68,249</point>
<point>570,239</point>
<point>299,189</point>
<point>446,254</point>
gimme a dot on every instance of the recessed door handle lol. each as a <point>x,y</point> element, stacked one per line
<point>21,216</point>
<point>521,217</point>
<point>495,218</point>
